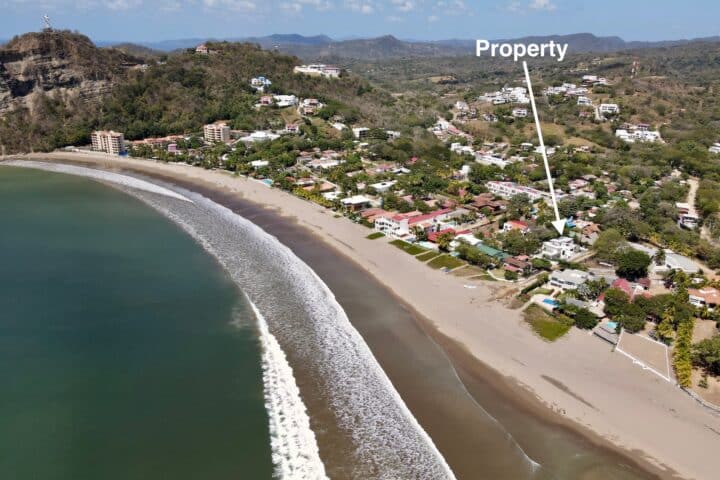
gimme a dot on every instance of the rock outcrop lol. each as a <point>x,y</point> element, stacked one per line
<point>64,65</point>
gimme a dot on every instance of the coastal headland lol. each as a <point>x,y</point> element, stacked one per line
<point>576,385</point>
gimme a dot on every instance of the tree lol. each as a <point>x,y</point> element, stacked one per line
<point>585,319</point>
<point>706,354</point>
<point>515,243</point>
<point>592,289</point>
<point>443,241</point>
<point>616,301</point>
<point>519,206</point>
<point>659,257</point>
<point>474,256</point>
<point>541,264</point>
<point>608,244</point>
<point>632,318</point>
<point>632,264</point>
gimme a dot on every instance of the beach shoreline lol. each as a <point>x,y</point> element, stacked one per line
<point>575,383</point>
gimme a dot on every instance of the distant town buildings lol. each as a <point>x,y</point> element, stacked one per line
<point>217,132</point>
<point>506,95</point>
<point>328,71</point>
<point>108,142</point>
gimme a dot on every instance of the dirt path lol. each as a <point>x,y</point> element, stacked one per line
<point>691,198</point>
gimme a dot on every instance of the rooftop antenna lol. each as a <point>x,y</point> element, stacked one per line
<point>48,25</point>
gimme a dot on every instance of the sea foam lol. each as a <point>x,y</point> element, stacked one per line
<point>294,447</point>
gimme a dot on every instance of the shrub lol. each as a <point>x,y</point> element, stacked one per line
<point>512,276</point>
<point>682,357</point>
<point>585,319</point>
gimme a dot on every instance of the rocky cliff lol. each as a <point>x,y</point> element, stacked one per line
<point>63,65</point>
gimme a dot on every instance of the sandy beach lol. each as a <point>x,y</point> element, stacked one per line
<point>577,381</point>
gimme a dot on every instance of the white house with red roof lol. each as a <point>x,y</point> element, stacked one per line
<point>518,225</point>
<point>704,297</point>
<point>402,224</point>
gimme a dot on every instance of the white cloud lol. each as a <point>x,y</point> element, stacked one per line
<point>122,4</point>
<point>295,7</point>
<point>542,5</point>
<point>235,5</point>
<point>433,18</point>
<point>517,6</point>
<point>404,5</point>
<point>363,7</point>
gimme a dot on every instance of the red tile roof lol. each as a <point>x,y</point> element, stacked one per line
<point>434,235</point>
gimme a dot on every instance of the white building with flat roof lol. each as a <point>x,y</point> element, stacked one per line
<point>260,136</point>
<point>569,279</point>
<point>328,71</point>
<point>510,189</point>
<point>611,108</point>
<point>108,142</point>
<point>563,248</point>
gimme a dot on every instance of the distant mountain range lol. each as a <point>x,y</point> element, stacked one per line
<point>321,47</point>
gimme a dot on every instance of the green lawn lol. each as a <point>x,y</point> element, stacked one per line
<point>424,257</point>
<point>445,261</point>
<point>488,278</point>
<point>545,325</point>
<point>541,291</point>
<point>408,247</point>
<point>375,236</point>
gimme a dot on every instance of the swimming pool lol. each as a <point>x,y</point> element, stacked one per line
<point>551,302</point>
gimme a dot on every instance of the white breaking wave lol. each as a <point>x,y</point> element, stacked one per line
<point>390,444</point>
<point>116,178</point>
<point>294,447</point>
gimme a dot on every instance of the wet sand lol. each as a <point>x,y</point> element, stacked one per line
<point>401,340</point>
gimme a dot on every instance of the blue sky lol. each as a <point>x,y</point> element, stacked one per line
<point>152,20</point>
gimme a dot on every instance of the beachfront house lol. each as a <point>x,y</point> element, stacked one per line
<point>402,224</point>
<point>563,248</point>
<point>356,203</point>
<point>569,279</point>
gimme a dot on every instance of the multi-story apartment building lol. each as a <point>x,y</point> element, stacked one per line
<point>108,142</point>
<point>217,132</point>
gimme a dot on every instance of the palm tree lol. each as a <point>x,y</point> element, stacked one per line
<point>659,257</point>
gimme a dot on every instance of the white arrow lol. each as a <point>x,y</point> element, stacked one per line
<point>559,223</point>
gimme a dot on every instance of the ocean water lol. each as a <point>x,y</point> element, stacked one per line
<point>126,351</point>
